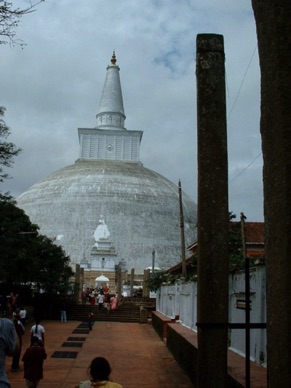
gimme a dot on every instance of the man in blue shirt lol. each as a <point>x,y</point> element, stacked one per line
<point>9,344</point>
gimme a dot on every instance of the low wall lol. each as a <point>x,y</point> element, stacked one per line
<point>183,344</point>
<point>180,299</point>
<point>159,323</point>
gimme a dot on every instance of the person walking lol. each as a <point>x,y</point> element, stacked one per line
<point>9,344</point>
<point>22,315</point>
<point>84,297</point>
<point>100,375</point>
<point>38,331</point>
<point>33,362</point>
<point>113,303</point>
<point>13,301</point>
<point>63,312</point>
<point>90,320</point>
<point>92,297</point>
<point>100,299</point>
<point>19,328</point>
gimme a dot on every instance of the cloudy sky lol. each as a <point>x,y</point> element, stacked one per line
<point>53,86</point>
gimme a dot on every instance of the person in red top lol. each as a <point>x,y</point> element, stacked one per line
<point>33,363</point>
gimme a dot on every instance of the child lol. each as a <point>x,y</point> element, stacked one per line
<point>38,331</point>
<point>33,363</point>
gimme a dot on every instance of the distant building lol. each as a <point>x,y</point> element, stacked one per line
<point>255,245</point>
<point>255,239</point>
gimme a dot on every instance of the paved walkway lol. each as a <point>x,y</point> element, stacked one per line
<point>137,355</point>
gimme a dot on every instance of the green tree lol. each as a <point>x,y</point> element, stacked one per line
<point>13,243</point>
<point>10,17</point>
<point>26,255</point>
<point>52,270</point>
<point>7,149</point>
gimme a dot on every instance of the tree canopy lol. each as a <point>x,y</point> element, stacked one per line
<point>27,256</point>
<point>8,150</point>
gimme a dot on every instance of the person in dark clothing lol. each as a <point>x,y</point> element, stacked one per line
<point>4,302</point>
<point>63,312</point>
<point>100,371</point>
<point>33,363</point>
<point>90,320</point>
<point>19,328</point>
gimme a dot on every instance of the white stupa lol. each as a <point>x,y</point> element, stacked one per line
<point>109,182</point>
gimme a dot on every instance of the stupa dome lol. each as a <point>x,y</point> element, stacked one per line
<point>138,208</point>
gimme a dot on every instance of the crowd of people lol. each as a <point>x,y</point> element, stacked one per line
<point>100,296</point>
<point>13,326</point>
<point>34,356</point>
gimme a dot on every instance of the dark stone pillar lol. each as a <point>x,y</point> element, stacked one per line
<point>213,217</point>
<point>274,43</point>
<point>78,282</point>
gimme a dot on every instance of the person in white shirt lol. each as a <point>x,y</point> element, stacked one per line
<point>38,331</point>
<point>22,315</point>
<point>100,299</point>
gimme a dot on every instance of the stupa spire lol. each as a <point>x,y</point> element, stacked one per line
<point>110,140</point>
<point>113,59</point>
<point>111,112</point>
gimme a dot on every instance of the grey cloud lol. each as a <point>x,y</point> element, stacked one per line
<point>53,86</point>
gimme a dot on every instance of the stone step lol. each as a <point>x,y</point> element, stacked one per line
<point>124,313</point>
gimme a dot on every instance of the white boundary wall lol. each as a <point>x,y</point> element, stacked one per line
<point>180,300</point>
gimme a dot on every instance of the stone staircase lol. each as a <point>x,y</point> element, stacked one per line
<point>126,312</point>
